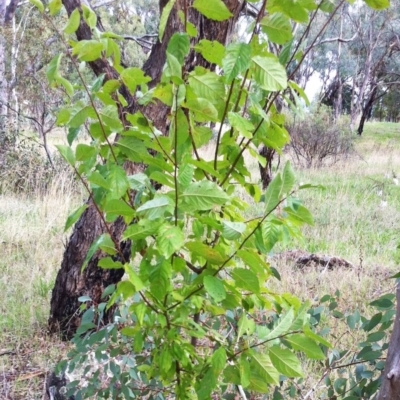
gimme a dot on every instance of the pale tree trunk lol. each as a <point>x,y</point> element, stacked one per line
<point>338,99</point>
<point>7,12</point>
<point>71,283</point>
<point>390,389</point>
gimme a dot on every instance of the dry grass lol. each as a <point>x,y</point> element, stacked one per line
<point>356,217</point>
<point>31,242</point>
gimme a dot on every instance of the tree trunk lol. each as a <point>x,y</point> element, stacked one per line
<point>71,283</point>
<point>366,112</point>
<point>390,389</point>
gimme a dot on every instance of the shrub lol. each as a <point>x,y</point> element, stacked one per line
<point>318,139</point>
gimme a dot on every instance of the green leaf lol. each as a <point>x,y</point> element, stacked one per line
<point>142,230</point>
<point>179,46</point>
<point>378,4</point>
<point>282,326</point>
<point>118,207</point>
<point>253,260</point>
<point>263,373</point>
<point>246,279</point>
<point>236,61</point>
<point>277,27</point>
<point>218,361</point>
<point>84,152</point>
<point>133,77</point>
<point>269,73</point>
<point>164,18</point>
<point>215,288</point>
<point>207,85</point>
<point>90,16</point>
<point>232,230</point>
<point>73,22</point>
<point>288,178</point>
<point>316,338</point>
<point>204,195</point>
<point>206,252</point>
<point>38,4</point>
<point>80,116</point>
<point>203,110</point>
<point>72,218</point>
<point>117,181</point>
<point>67,154</point>
<point>156,208</point>
<point>169,240</point>
<point>212,9</point>
<point>134,277</point>
<point>88,50</point>
<point>306,345</point>
<point>102,241</point>
<point>159,282</point>
<point>211,51</point>
<point>274,193</point>
<point>109,263</point>
<point>54,65</point>
<point>97,179</point>
<point>285,362</point>
<point>242,125</point>
<point>55,7</point>
<point>245,326</point>
<point>201,135</point>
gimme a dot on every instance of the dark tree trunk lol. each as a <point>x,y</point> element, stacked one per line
<point>390,389</point>
<point>71,283</point>
<point>266,172</point>
<point>367,110</point>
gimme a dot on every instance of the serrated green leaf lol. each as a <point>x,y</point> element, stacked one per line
<point>285,362</point>
<point>84,152</point>
<point>253,260</point>
<point>169,240</point>
<point>236,61</point>
<point>218,361</point>
<point>119,207</point>
<point>134,277</point>
<point>269,73</point>
<point>212,9</point>
<point>306,345</point>
<point>72,218</point>
<point>207,85</point>
<point>232,230</point>
<point>215,288</point>
<point>242,125</point>
<point>203,110</point>
<point>274,193</point>
<point>211,51</point>
<point>73,22</point>
<point>204,195</point>
<point>206,252</point>
<point>277,27</point>
<point>179,46</point>
<point>246,279</point>
<point>133,77</point>
<point>282,326</point>
<point>245,326</point>
<point>117,181</point>
<point>156,208</point>
<point>159,282</point>
<point>141,231</point>
<point>261,369</point>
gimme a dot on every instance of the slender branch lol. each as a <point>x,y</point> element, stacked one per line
<point>176,159</point>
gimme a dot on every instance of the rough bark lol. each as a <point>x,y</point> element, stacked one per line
<point>390,389</point>
<point>71,283</point>
<point>367,109</point>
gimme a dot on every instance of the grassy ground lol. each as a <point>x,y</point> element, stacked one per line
<point>357,217</point>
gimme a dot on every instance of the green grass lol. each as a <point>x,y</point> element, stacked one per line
<point>357,217</point>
